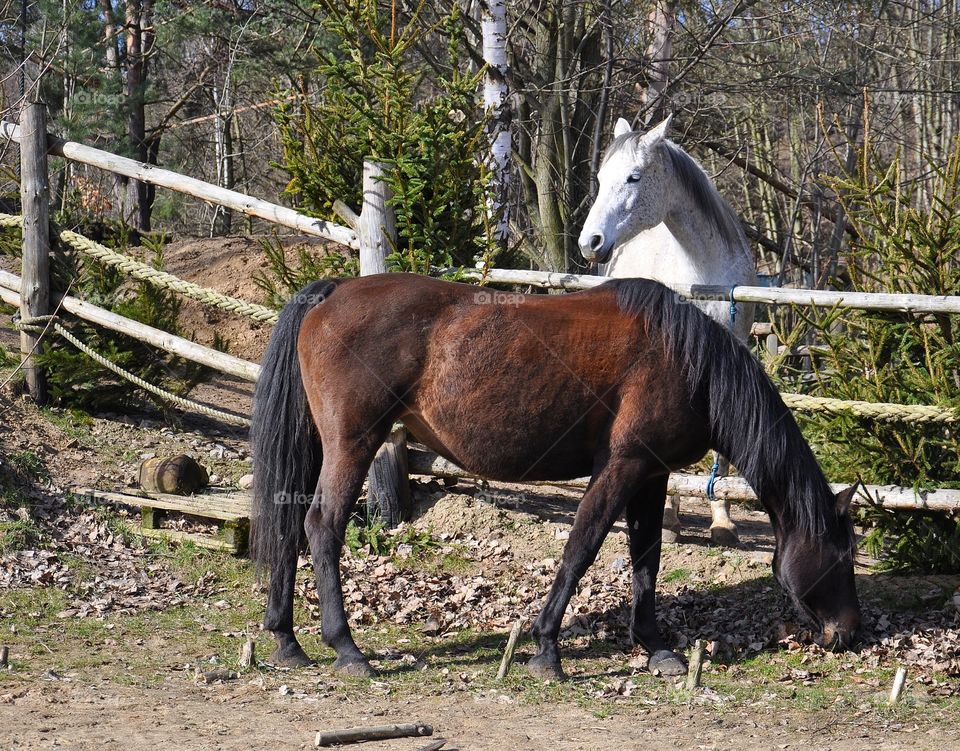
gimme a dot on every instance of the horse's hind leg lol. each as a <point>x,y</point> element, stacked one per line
<point>279,617</point>
<point>722,529</point>
<point>601,505</point>
<point>341,479</point>
<point>644,520</point>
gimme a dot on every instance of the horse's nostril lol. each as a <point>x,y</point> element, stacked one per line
<point>596,243</point>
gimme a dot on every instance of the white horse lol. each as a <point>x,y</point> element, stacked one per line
<point>659,216</point>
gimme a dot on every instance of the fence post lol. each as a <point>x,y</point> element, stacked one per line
<point>35,203</point>
<point>388,484</point>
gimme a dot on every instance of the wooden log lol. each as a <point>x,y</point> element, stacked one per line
<point>35,201</point>
<point>903,303</point>
<point>4,657</point>
<point>10,285</point>
<point>388,484</point>
<point>730,488</point>
<point>511,647</point>
<point>347,214</point>
<point>696,666</point>
<point>377,225</point>
<point>152,175</point>
<point>378,733</point>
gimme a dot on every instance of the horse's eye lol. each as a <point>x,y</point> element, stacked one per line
<point>634,178</point>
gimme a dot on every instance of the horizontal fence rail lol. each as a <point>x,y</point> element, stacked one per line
<point>148,173</point>
<point>10,285</point>
<point>422,462</point>
<point>902,303</point>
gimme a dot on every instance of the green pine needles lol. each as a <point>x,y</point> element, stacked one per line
<point>424,122</point>
<point>908,242</point>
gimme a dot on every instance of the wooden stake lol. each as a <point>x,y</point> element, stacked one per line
<point>4,657</point>
<point>377,223</point>
<point>510,649</point>
<point>898,682</point>
<point>248,654</point>
<point>35,200</point>
<point>696,665</point>
<point>379,733</point>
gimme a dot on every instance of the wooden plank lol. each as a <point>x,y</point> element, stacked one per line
<point>35,200</point>
<point>203,541</point>
<point>148,173</point>
<point>226,507</point>
<point>10,285</point>
<point>767,295</point>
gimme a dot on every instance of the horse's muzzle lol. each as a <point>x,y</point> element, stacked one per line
<point>594,247</point>
<point>838,637</point>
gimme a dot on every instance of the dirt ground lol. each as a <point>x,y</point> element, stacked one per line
<point>108,633</point>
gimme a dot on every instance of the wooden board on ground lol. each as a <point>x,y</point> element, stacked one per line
<point>232,508</point>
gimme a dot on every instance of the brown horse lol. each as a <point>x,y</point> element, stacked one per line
<point>623,382</point>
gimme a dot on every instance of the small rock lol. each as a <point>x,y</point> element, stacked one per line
<point>619,564</point>
<point>214,479</point>
<point>245,482</point>
<point>285,690</point>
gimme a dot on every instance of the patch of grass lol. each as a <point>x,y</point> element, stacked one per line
<point>28,464</point>
<point>676,575</point>
<point>74,423</point>
<point>18,534</point>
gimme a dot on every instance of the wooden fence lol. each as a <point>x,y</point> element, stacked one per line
<point>372,232</point>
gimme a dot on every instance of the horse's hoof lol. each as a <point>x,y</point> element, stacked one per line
<point>670,535</point>
<point>290,657</point>
<point>355,667</point>
<point>546,670</point>
<point>724,537</point>
<point>666,663</point>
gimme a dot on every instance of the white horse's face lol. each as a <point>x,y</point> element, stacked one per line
<point>632,196</point>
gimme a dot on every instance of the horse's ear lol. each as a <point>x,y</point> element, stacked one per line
<point>621,128</point>
<point>658,132</point>
<point>845,498</point>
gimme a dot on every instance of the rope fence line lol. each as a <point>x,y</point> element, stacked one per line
<point>156,277</point>
<point>879,411</point>
<point>39,324</point>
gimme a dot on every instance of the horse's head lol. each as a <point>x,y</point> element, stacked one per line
<point>632,191</point>
<point>817,572</point>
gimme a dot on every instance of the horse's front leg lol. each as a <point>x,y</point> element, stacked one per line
<point>326,525</point>
<point>601,505</point>
<point>644,520</point>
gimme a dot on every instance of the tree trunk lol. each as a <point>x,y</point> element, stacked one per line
<point>495,93</point>
<point>139,41</point>
<point>659,53</point>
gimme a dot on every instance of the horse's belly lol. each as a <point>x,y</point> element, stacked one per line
<point>511,443</point>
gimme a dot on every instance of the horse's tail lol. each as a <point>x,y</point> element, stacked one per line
<point>284,440</point>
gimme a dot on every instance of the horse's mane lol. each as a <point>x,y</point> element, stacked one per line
<point>706,196</point>
<point>698,185</point>
<point>749,422</point>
